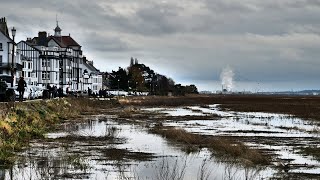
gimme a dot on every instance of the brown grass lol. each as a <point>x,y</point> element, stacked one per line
<point>301,106</point>
<point>223,147</point>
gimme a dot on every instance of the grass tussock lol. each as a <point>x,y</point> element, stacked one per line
<point>222,147</point>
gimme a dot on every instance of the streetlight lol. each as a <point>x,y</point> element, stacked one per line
<point>13,30</point>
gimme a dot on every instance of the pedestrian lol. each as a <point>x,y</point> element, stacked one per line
<point>54,91</point>
<point>100,93</point>
<point>21,85</point>
<point>60,92</point>
<point>89,92</point>
<point>49,91</point>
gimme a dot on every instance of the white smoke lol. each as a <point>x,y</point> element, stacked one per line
<point>226,77</point>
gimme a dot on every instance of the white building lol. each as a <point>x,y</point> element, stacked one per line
<point>9,57</point>
<point>92,78</point>
<point>57,61</point>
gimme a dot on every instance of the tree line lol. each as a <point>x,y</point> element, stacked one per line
<point>141,78</point>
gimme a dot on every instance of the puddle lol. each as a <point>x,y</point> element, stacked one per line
<point>279,133</point>
<point>104,149</point>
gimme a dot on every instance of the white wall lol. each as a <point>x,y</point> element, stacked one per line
<point>6,54</point>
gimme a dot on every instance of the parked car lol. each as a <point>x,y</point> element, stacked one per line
<point>38,91</point>
<point>117,92</point>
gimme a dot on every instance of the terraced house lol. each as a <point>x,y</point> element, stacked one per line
<point>57,61</point>
<point>10,64</point>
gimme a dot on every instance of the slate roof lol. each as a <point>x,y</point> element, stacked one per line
<point>64,41</point>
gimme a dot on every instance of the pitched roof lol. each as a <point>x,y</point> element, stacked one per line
<point>89,65</point>
<point>30,44</point>
<point>64,41</point>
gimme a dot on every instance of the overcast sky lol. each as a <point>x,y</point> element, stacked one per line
<point>269,45</point>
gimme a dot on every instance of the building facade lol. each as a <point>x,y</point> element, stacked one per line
<point>57,61</point>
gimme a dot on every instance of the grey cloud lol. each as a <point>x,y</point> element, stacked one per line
<point>101,43</point>
<point>263,41</point>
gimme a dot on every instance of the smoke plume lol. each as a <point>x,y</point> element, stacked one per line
<point>226,77</point>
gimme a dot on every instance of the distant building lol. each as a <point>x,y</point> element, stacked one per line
<point>92,78</point>
<point>7,64</point>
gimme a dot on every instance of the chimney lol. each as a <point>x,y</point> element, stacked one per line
<point>42,38</point>
<point>3,19</point>
<point>3,26</point>
<point>29,40</point>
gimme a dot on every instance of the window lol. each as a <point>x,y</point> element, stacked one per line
<point>56,76</point>
<point>46,63</point>
<point>0,46</point>
<point>24,64</point>
<point>23,73</point>
<point>0,60</point>
<point>29,65</point>
<point>29,74</point>
<point>45,75</point>
<point>95,87</point>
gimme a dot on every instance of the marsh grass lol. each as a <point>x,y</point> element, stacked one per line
<point>171,171</point>
<point>204,171</point>
<point>224,148</point>
<point>29,120</point>
<point>307,107</point>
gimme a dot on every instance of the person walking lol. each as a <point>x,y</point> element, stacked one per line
<point>21,85</point>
